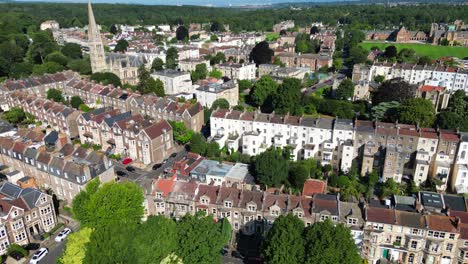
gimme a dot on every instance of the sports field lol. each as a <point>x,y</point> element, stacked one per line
<point>434,52</point>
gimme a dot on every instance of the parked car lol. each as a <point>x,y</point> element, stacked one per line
<point>157,166</point>
<point>121,173</point>
<point>40,254</point>
<point>130,168</point>
<point>127,161</point>
<point>62,235</point>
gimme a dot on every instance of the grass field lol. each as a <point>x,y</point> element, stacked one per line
<point>434,52</point>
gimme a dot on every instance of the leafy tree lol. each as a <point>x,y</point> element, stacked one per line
<point>181,134</point>
<point>314,30</point>
<point>156,239</point>
<point>356,55</point>
<point>393,90</point>
<point>407,56</point>
<point>74,253</point>
<point>261,53</point>
<point>298,174</point>
<point>200,72</point>
<point>327,243</point>
<point>390,52</point>
<point>43,44</point>
<point>182,33</point>
<point>220,103</point>
<point>262,89</point>
<point>112,204</point>
<point>55,95</point>
<point>113,29</point>
<point>385,111</point>
<point>110,244</point>
<point>172,57</point>
<point>147,84</point>
<point>72,51</point>
<point>15,115</point>
<point>217,27</point>
<point>198,144</point>
<point>10,55</point>
<point>424,60</point>
<point>244,85</point>
<point>286,97</point>
<point>121,46</point>
<point>277,61</point>
<point>417,111</point>
<point>271,168</point>
<point>21,70</point>
<point>106,78</point>
<point>341,109</point>
<point>83,66</point>
<point>444,42</point>
<point>379,78</point>
<point>284,243</point>
<point>57,57</point>
<point>195,37</point>
<point>47,67</point>
<point>201,239</point>
<point>157,64</point>
<point>451,120</point>
<point>84,108</point>
<point>218,58</point>
<point>216,74</point>
<point>76,101</point>
<point>345,90</point>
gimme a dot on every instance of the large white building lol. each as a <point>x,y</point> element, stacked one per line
<point>175,82</point>
<point>236,71</point>
<point>206,94</point>
<point>328,140</point>
<point>460,182</point>
<point>451,78</point>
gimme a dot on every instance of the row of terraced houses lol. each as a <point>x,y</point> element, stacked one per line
<point>396,151</point>
<point>98,96</point>
<point>432,228</point>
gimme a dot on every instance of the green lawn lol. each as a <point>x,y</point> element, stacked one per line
<point>434,52</point>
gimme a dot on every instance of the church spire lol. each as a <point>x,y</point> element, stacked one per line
<point>96,48</point>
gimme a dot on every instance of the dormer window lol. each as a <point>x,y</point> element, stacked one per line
<point>275,212</point>
<point>205,201</point>
<point>324,217</point>
<point>352,221</point>
<point>159,195</point>
<point>43,199</point>
<point>228,204</point>
<point>299,214</point>
<point>251,208</point>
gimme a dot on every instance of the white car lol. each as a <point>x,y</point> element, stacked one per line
<point>40,254</point>
<point>62,235</point>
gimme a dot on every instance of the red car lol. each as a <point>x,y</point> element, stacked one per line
<point>127,161</point>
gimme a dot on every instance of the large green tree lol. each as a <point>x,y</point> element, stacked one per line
<point>327,243</point>
<point>157,64</point>
<point>121,46</point>
<point>394,90</point>
<point>182,33</point>
<point>76,242</point>
<point>55,95</point>
<point>106,78</point>
<point>172,58</point>
<point>201,239</point>
<point>345,90</point>
<point>271,167</point>
<point>72,51</point>
<point>262,89</point>
<point>261,53</point>
<point>155,240</point>
<point>417,111</point>
<point>42,45</point>
<point>287,96</point>
<point>147,84</point>
<point>284,243</point>
<point>76,101</point>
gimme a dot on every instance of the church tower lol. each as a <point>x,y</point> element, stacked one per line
<point>96,48</point>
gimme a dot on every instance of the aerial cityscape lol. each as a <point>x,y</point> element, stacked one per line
<point>279,132</point>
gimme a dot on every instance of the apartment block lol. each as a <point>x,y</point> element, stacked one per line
<point>209,92</point>
<point>175,82</point>
<point>237,71</point>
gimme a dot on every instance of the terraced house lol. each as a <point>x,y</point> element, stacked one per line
<point>24,214</point>
<point>53,162</point>
<point>130,135</point>
<point>392,150</point>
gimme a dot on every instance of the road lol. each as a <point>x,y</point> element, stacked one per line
<point>55,251</point>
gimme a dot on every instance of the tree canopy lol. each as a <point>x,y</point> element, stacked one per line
<point>182,33</point>
<point>106,78</point>
<point>271,168</point>
<point>394,90</point>
<point>55,95</point>
<point>345,90</point>
<point>261,53</point>
<point>172,58</point>
<point>157,64</point>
